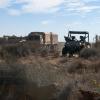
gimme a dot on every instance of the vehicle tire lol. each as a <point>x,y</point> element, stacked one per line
<point>64,51</point>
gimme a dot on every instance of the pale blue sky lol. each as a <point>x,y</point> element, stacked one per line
<point>20,17</point>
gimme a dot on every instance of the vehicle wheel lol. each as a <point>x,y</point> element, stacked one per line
<point>64,51</point>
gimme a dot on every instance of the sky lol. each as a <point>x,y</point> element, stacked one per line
<point>20,17</point>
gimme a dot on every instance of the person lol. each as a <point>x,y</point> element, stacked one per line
<point>82,38</point>
<point>73,38</point>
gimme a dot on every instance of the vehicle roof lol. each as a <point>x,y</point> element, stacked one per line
<point>78,32</point>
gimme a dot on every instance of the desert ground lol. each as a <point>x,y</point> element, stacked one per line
<point>38,77</point>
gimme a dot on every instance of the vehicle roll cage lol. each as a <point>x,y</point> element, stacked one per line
<point>79,32</point>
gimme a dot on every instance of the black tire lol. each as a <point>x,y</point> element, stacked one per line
<point>64,51</point>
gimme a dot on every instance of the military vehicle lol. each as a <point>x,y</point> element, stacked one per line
<point>43,41</point>
<point>73,45</point>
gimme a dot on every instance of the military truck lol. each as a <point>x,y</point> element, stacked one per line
<point>43,41</point>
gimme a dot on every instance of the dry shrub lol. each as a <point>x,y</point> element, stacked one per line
<point>55,54</point>
<point>12,52</point>
<point>16,85</point>
<point>96,66</point>
<point>14,73</point>
<point>44,52</point>
<point>63,60</point>
<point>89,52</point>
<point>77,67</point>
<point>12,81</point>
<point>97,45</point>
<point>66,92</point>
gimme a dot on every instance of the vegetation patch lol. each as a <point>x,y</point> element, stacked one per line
<point>89,52</point>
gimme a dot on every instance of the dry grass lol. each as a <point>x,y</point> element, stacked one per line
<point>33,77</point>
<point>97,45</point>
<point>11,53</point>
<point>89,52</point>
<point>46,80</point>
<point>81,66</point>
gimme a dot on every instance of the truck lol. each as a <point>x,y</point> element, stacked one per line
<point>44,40</point>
